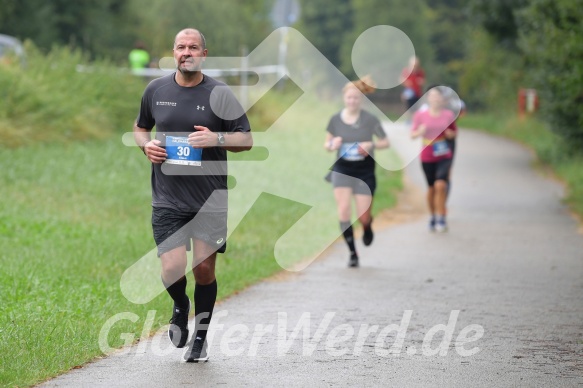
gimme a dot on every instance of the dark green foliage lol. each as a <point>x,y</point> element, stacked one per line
<point>410,16</point>
<point>327,24</point>
<point>551,36</point>
<point>544,40</point>
<point>227,25</point>
<point>449,26</point>
<point>498,17</point>
<point>490,76</point>
<point>109,28</point>
<point>99,27</point>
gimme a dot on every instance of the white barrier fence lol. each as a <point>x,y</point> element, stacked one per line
<point>243,72</point>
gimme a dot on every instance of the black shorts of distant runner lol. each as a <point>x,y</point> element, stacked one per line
<point>436,171</point>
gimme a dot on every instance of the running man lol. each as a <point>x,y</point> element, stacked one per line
<point>189,166</point>
<point>350,133</point>
<point>436,125</point>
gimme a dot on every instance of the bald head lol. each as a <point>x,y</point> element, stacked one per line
<point>187,32</point>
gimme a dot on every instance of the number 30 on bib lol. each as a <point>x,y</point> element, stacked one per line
<point>180,152</point>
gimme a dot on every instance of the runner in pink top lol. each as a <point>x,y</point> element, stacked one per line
<point>436,126</point>
<point>434,136</point>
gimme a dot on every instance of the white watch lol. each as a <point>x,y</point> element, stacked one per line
<point>221,138</point>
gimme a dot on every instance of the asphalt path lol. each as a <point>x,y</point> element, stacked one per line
<point>496,301</point>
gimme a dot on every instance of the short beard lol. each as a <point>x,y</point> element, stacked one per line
<point>189,69</point>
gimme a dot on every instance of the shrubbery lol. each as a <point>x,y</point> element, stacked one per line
<point>551,37</point>
<point>49,99</point>
<point>531,43</point>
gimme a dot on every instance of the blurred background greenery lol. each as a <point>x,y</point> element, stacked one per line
<point>484,49</point>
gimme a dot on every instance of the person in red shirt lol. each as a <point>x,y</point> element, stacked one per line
<point>436,126</point>
<point>412,78</point>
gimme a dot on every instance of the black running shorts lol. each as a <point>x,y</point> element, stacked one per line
<point>173,228</point>
<point>437,171</point>
<point>365,184</point>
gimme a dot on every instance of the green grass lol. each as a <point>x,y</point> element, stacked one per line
<point>75,215</point>
<point>551,150</point>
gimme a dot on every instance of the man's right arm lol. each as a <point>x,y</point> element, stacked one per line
<point>151,148</point>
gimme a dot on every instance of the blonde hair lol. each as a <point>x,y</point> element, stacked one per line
<point>365,85</point>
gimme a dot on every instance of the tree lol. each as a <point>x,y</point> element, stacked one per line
<point>228,25</point>
<point>498,17</point>
<point>450,28</point>
<point>326,24</point>
<point>490,74</point>
<point>410,16</point>
<point>550,33</point>
<point>29,19</point>
<point>109,28</point>
<point>99,27</point>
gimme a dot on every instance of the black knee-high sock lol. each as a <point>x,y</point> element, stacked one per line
<point>204,303</point>
<point>177,292</point>
<point>346,228</point>
<point>368,226</point>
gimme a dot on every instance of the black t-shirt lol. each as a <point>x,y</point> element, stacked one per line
<point>175,110</point>
<point>349,161</point>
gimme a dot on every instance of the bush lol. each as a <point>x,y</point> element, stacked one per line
<point>551,36</point>
<point>49,99</point>
<point>491,74</point>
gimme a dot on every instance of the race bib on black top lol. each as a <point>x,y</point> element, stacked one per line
<point>180,152</point>
<point>349,151</point>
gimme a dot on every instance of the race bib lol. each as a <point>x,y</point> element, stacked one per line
<point>440,148</point>
<point>180,152</point>
<point>349,151</point>
<point>408,94</point>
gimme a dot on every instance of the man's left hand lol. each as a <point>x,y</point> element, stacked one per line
<point>202,137</point>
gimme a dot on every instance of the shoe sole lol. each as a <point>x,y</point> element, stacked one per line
<point>198,360</point>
